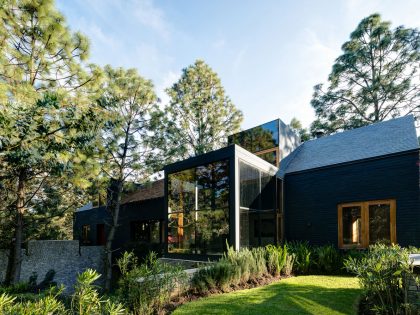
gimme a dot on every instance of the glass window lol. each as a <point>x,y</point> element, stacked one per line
<point>249,186</point>
<point>379,223</point>
<point>86,234</point>
<point>100,234</point>
<point>198,209</point>
<point>352,225</point>
<point>145,231</point>
<point>259,138</point>
<point>364,223</point>
<point>270,156</point>
<point>257,206</point>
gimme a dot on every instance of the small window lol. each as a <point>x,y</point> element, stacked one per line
<point>100,234</point>
<point>363,223</point>
<point>145,231</point>
<point>86,234</point>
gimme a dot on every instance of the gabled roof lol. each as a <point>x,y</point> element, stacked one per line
<point>148,191</point>
<point>383,138</point>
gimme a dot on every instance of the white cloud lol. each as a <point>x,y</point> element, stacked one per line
<point>151,16</point>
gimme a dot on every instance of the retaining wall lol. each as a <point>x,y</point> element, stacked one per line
<point>66,258</point>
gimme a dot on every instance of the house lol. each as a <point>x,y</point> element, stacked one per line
<point>349,189</point>
<point>141,221</point>
<point>356,187</point>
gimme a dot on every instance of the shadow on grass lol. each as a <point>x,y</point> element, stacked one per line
<point>279,298</point>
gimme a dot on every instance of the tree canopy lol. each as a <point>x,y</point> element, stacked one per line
<point>128,101</point>
<point>199,117</point>
<point>375,79</point>
<point>47,120</point>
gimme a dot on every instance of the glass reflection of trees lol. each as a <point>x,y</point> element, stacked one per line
<point>257,206</point>
<point>259,138</point>
<point>198,207</point>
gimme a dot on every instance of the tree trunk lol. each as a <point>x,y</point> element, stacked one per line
<point>15,256</point>
<point>115,212</point>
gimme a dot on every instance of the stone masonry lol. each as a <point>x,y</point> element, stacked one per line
<point>66,258</point>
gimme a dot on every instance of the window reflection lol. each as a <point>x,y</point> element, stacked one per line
<point>198,207</point>
<point>352,225</point>
<point>260,138</point>
<point>257,206</point>
<point>379,223</point>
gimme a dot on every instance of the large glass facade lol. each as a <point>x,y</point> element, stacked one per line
<point>263,140</point>
<point>257,206</point>
<point>198,209</point>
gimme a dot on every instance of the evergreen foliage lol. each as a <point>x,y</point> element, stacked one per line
<point>199,117</point>
<point>375,79</point>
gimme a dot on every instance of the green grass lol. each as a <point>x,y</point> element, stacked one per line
<point>325,295</point>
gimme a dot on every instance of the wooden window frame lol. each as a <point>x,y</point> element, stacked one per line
<point>276,149</point>
<point>364,207</point>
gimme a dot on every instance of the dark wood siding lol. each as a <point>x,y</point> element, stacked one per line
<point>152,209</point>
<point>311,197</point>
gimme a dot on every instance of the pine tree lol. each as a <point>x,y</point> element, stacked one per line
<point>375,79</point>
<point>45,112</point>
<point>199,117</point>
<point>128,101</point>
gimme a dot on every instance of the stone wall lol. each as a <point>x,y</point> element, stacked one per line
<point>413,290</point>
<point>66,258</point>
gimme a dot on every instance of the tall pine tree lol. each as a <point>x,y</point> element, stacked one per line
<point>45,112</point>
<point>375,79</point>
<point>199,116</point>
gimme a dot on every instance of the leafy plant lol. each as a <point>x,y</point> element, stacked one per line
<point>382,272</point>
<point>276,258</point>
<point>288,265</point>
<point>302,252</point>
<point>146,288</point>
<point>328,259</point>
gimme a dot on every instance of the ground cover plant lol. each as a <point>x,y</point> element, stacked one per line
<point>85,300</point>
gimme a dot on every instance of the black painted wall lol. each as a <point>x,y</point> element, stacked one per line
<point>311,197</point>
<point>151,209</point>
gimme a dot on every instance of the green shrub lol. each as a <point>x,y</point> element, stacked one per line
<point>146,288</point>
<point>220,275</point>
<point>302,252</point>
<point>382,272</point>
<point>85,300</point>
<point>272,258</point>
<point>328,259</point>
<point>288,264</point>
<point>276,258</point>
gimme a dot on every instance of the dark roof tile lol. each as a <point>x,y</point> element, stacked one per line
<point>388,137</point>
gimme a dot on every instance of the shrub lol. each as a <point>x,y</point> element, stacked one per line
<point>276,258</point>
<point>328,259</point>
<point>146,288</point>
<point>272,258</point>
<point>382,272</point>
<point>288,264</point>
<point>302,252</point>
<point>219,275</point>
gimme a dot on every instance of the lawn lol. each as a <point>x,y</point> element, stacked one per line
<point>325,295</point>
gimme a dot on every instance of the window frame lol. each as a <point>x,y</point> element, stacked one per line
<point>86,230</point>
<point>364,207</point>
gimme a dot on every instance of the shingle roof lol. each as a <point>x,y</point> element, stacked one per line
<point>148,191</point>
<point>392,136</point>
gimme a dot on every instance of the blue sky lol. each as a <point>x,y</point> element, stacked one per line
<point>268,54</point>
